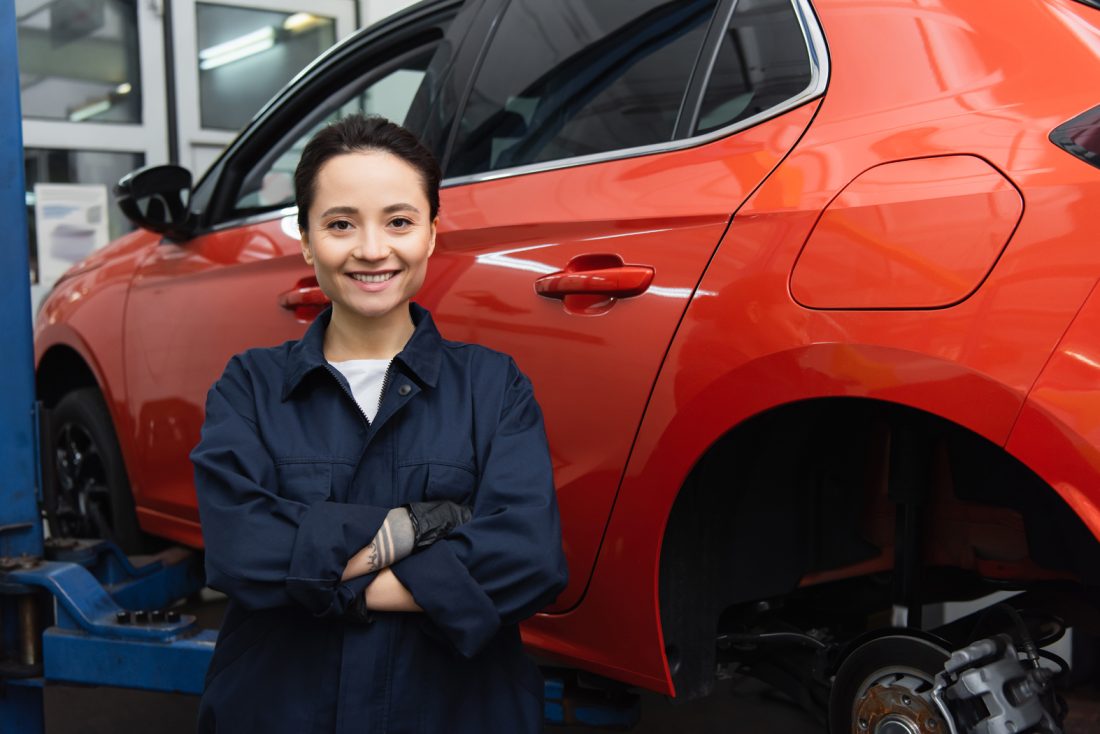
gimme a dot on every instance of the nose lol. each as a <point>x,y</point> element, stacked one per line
<point>373,245</point>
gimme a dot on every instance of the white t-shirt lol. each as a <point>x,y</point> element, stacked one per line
<point>365,378</point>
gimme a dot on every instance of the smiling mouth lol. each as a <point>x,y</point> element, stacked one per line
<point>373,277</point>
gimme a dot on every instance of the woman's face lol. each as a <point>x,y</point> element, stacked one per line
<point>370,234</point>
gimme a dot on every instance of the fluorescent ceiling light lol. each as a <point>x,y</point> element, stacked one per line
<point>124,88</point>
<point>241,53</point>
<point>89,110</point>
<point>247,45</point>
<point>301,22</point>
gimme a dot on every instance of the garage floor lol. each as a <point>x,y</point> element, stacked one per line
<point>87,710</point>
<point>741,704</point>
<point>744,707</point>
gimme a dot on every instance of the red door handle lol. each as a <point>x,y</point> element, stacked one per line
<point>306,299</point>
<point>621,282</point>
<point>303,296</point>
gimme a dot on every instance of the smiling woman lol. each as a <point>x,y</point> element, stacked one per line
<point>368,237</point>
<point>367,215</point>
<point>330,474</point>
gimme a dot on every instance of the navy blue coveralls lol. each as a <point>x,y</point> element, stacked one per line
<point>292,481</point>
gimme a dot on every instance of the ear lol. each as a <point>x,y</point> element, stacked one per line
<point>307,251</point>
<point>431,242</point>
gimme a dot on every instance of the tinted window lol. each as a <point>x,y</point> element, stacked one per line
<point>762,60</point>
<point>389,92</point>
<point>576,77</point>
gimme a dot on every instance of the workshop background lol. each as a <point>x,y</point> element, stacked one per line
<point>151,82</point>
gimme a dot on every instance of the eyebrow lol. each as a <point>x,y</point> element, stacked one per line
<point>391,209</point>
<point>401,207</point>
<point>339,210</point>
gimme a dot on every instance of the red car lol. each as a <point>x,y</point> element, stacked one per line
<point>805,291</point>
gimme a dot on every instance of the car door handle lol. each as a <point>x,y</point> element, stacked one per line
<point>621,282</point>
<point>303,296</point>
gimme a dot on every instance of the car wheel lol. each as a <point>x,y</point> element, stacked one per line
<point>885,687</point>
<point>88,495</point>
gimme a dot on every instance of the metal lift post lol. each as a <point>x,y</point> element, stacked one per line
<point>72,611</point>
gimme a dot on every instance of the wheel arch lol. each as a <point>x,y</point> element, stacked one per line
<point>827,515</point>
<point>66,364</point>
<point>62,369</point>
<point>685,424</point>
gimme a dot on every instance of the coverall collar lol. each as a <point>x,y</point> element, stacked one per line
<point>421,354</point>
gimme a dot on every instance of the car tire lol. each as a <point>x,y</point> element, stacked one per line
<point>87,493</point>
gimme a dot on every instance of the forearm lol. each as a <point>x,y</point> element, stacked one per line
<point>387,594</point>
<point>393,542</point>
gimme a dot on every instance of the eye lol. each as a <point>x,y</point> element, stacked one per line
<point>401,223</point>
<point>340,225</point>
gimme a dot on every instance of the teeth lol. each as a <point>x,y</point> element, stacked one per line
<point>380,278</point>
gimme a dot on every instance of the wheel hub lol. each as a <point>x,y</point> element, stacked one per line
<point>896,708</point>
<point>885,686</point>
<point>81,505</point>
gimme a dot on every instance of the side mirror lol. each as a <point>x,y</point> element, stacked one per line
<point>157,198</point>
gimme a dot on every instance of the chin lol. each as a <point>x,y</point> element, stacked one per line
<point>375,311</point>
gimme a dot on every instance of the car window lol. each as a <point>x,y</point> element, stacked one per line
<point>762,60</point>
<point>576,77</point>
<point>269,184</point>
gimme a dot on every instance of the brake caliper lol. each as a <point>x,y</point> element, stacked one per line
<point>985,689</point>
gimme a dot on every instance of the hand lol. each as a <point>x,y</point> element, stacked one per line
<point>406,528</point>
<point>434,520</point>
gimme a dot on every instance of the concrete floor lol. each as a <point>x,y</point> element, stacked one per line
<point>740,704</point>
<point>744,706</point>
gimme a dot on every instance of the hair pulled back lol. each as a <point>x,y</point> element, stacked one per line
<point>359,134</point>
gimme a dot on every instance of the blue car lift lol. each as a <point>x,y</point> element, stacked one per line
<point>72,611</point>
<point>79,611</point>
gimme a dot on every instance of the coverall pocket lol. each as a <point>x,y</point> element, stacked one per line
<point>304,480</point>
<point>450,482</point>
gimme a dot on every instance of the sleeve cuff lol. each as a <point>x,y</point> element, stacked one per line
<point>450,597</point>
<point>329,534</point>
<point>350,599</point>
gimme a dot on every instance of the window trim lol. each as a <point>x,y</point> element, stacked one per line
<point>704,68</point>
<point>414,28</point>
<point>331,103</point>
<point>237,176</point>
<point>819,77</point>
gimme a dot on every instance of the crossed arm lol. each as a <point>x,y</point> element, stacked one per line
<point>393,542</point>
<point>404,529</point>
<point>265,550</point>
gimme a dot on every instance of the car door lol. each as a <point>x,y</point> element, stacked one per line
<point>598,157</point>
<point>241,282</point>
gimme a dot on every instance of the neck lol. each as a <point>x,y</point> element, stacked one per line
<point>352,336</point>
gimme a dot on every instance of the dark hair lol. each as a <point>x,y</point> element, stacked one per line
<point>361,133</point>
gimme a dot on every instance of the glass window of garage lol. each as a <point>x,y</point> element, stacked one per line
<point>387,91</point>
<point>576,77</point>
<point>247,55</point>
<point>78,60</point>
<point>41,165</point>
<point>761,60</point>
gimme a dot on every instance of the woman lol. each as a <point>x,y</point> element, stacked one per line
<point>376,501</point>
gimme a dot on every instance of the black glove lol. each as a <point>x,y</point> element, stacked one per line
<point>434,520</point>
